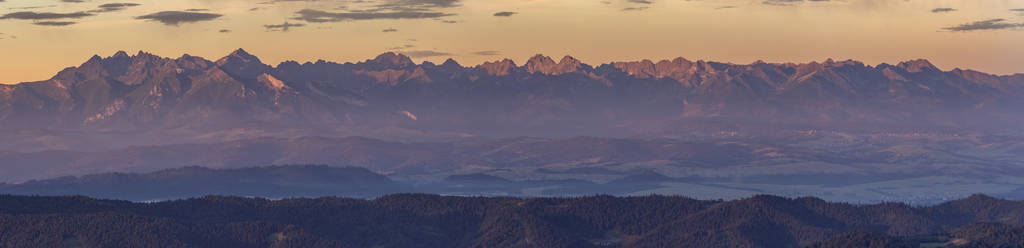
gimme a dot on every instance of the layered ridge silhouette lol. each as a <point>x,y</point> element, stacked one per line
<point>435,221</point>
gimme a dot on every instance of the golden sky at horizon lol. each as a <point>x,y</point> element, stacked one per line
<point>594,31</point>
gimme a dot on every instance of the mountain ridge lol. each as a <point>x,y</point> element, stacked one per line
<point>540,60</point>
<point>238,96</point>
<point>451,221</point>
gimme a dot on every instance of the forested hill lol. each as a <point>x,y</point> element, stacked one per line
<point>418,220</point>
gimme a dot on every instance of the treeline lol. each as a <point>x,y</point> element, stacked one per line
<point>422,220</point>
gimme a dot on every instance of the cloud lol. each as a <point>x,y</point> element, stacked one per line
<point>178,17</point>
<point>424,53</point>
<point>53,23</point>
<point>414,5</point>
<point>487,53</point>
<point>320,16</point>
<point>197,10</point>
<point>110,7</point>
<point>389,30</point>
<point>992,24</point>
<point>29,15</point>
<point>408,114</point>
<point>725,7</point>
<point>384,9</point>
<point>941,10</point>
<point>224,31</point>
<point>33,7</point>
<point>634,8</point>
<point>283,27</point>
<point>789,2</point>
<point>505,13</point>
<point>70,1</point>
<point>640,1</point>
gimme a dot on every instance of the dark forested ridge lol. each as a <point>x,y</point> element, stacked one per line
<point>195,181</point>
<point>420,220</point>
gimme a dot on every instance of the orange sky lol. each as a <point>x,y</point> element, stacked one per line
<point>595,31</point>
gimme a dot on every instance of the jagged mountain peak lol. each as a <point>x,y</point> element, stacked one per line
<point>242,65</point>
<point>569,60</point>
<point>392,59</point>
<point>451,63</point>
<point>120,54</point>
<point>539,59</point>
<point>499,67</point>
<point>917,65</point>
<point>239,56</point>
<point>545,65</point>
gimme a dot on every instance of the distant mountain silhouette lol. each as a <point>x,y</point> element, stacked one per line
<point>418,158</point>
<point>272,182</point>
<point>146,99</point>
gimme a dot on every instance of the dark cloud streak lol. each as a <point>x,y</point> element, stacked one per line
<point>992,24</point>
<point>176,18</point>
<point>789,2</point>
<point>487,53</point>
<point>54,23</point>
<point>111,7</point>
<point>284,27</point>
<point>424,53</point>
<point>505,14</point>
<point>29,15</point>
<point>320,16</point>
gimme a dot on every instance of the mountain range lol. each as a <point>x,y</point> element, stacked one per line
<point>145,99</point>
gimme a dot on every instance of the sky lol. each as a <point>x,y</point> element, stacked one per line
<point>38,38</point>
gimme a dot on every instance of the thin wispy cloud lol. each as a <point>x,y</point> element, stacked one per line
<point>284,27</point>
<point>942,10</point>
<point>424,53</point>
<point>175,18</point>
<point>54,23</point>
<point>789,2</point>
<point>415,5</point>
<point>111,7</point>
<point>505,14</point>
<point>487,53</point>
<point>991,24</point>
<point>389,30</point>
<point>29,15</point>
<point>320,16</point>
<point>32,7</point>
